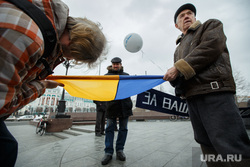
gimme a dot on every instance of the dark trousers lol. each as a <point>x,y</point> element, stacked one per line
<point>217,123</point>
<point>100,122</point>
<point>8,147</point>
<point>110,134</point>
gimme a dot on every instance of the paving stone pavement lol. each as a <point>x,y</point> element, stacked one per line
<point>149,144</point>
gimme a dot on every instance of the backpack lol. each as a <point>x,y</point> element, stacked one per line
<point>45,26</point>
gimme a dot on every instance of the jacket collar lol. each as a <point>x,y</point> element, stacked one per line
<point>193,27</point>
<point>110,70</point>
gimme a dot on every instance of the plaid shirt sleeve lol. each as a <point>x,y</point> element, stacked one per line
<point>21,45</point>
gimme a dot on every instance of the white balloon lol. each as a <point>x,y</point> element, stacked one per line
<point>133,42</point>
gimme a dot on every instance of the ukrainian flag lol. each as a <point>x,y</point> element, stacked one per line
<point>107,87</point>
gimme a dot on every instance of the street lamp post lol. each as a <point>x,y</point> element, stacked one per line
<point>62,102</point>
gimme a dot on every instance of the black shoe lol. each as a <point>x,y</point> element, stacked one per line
<point>120,156</point>
<point>106,159</point>
<point>102,133</point>
<point>98,134</point>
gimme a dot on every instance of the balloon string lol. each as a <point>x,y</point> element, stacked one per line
<point>142,54</point>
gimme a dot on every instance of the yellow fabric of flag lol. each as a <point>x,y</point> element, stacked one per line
<point>88,87</point>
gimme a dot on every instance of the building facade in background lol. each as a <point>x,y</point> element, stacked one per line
<point>49,101</point>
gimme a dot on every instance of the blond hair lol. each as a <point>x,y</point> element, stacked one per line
<point>87,42</point>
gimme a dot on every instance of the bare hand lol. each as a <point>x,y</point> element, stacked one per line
<point>51,84</point>
<point>171,74</point>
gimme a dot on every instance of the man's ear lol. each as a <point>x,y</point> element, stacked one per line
<point>176,26</point>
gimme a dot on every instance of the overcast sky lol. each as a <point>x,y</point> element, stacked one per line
<point>153,21</point>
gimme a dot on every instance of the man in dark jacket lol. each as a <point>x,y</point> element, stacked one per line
<point>121,109</point>
<point>100,118</point>
<point>203,73</point>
